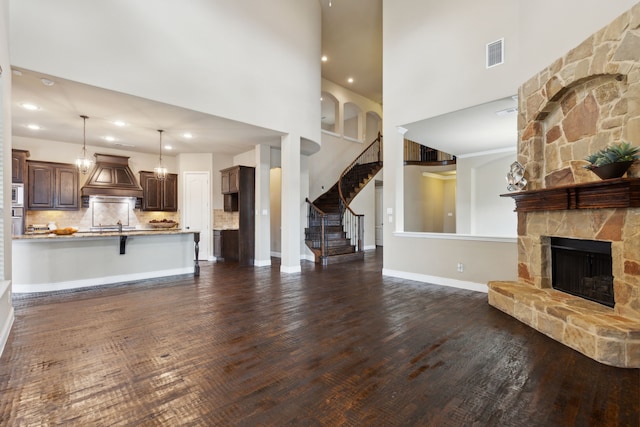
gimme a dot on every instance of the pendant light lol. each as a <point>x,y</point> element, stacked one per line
<point>160,171</point>
<point>84,162</point>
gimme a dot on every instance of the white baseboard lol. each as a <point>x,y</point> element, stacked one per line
<point>262,262</point>
<point>276,254</point>
<point>7,322</point>
<point>99,281</point>
<point>308,257</point>
<point>370,248</point>
<point>290,269</point>
<point>443,281</point>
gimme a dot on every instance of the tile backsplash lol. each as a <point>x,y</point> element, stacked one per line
<point>97,215</point>
<point>225,220</point>
<point>86,218</point>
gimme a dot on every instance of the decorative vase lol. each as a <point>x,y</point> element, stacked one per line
<point>612,170</point>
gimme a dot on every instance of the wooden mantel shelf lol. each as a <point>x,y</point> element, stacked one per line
<point>608,193</point>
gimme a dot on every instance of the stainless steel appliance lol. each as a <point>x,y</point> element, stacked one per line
<point>17,195</point>
<point>17,209</point>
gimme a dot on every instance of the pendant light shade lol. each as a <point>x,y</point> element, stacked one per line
<point>160,171</point>
<point>84,162</point>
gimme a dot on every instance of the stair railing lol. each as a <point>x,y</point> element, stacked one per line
<point>315,214</point>
<point>354,223</point>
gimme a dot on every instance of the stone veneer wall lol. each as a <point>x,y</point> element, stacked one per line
<point>579,104</point>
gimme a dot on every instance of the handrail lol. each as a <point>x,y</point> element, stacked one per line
<point>353,222</point>
<point>366,153</point>
<point>418,154</point>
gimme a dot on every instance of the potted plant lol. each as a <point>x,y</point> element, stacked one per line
<point>612,161</point>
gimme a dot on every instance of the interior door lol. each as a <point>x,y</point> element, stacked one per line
<point>379,215</point>
<point>197,214</point>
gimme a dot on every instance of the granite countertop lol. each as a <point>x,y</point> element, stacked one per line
<point>94,234</point>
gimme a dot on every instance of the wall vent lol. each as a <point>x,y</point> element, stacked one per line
<point>495,53</point>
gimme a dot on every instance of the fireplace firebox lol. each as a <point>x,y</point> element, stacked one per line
<point>583,268</point>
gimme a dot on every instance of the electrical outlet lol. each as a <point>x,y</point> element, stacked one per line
<point>460,267</point>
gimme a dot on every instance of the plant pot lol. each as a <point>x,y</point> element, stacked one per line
<point>612,170</point>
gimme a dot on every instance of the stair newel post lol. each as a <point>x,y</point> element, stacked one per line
<point>323,236</point>
<point>360,233</point>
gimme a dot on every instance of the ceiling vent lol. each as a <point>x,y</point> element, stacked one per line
<point>495,53</point>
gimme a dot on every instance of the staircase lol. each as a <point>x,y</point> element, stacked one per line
<point>335,233</point>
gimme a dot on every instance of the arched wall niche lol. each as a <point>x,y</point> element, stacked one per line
<point>581,103</point>
<point>352,123</point>
<point>373,126</point>
<point>329,110</point>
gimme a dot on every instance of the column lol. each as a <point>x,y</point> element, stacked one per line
<point>291,204</point>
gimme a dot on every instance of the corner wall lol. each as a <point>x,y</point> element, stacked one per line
<point>6,309</point>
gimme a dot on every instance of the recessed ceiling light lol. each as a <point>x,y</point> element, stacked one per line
<point>47,82</point>
<point>187,135</point>
<point>168,147</point>
<point>350,80</point>
<point>17,72</point>
<point>324,58</point>
<point>33,126</point>
<point>109,138</point>
<point>30,107</point>
<point>119,123</point>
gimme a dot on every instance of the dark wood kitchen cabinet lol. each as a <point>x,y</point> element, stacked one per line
<point>159,195</point>
<point>239,183</point>
<point>52,186</point>
<point>230,180</point>
<point>225,245</point>
<point>19,165</point>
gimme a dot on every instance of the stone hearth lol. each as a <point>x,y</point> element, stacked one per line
<point>579,104</point>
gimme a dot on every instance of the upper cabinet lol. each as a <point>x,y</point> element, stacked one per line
<point>230,177</point>
<point>52,186</point>
<point>159,195</point>
<point>19,165</point>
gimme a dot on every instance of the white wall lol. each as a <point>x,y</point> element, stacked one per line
<point>427,201</point>
<point>275,185</point>
<point>479,207</point>
<point>6,309</point>
<point>433,64</point>
<point>365,204</point>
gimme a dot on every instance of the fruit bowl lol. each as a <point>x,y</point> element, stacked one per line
<point>64,231</point>
<point>163,224</point>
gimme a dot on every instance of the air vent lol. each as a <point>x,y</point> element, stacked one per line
<point>495,53</point>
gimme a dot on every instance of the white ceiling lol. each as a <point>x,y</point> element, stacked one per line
<point>352,42</point>
<point>62,104</point>
<point>470,131</point>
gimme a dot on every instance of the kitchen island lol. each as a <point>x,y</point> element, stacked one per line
<point>47,262</point>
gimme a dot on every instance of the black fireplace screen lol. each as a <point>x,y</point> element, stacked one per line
<point>583,268</point>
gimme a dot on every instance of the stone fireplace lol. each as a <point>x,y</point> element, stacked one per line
<point>579,104</point>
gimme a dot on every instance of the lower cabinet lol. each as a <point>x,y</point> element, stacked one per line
<point>225,245</point>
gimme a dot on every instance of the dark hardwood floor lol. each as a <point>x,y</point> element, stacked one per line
<point>334,346</point>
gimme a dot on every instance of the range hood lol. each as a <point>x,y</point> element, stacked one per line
<point>111,176</point>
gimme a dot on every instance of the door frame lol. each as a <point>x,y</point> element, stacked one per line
<point>207,234</point>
